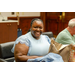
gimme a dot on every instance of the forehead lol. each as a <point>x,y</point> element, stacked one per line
<point>72,20</point>
<point>37,22</point>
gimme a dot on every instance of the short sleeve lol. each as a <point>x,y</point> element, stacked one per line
<point>48,39</point>
<point>22,40</point>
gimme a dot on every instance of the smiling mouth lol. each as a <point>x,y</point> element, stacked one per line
<point>38,33</point>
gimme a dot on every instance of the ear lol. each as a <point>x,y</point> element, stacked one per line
<point>74,26</point>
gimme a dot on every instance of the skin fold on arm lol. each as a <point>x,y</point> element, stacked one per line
<point>20,53</point>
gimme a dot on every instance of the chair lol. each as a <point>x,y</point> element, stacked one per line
<point>5,52</point>
<point>49,34</point>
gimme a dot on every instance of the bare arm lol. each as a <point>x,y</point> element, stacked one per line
<point>20,53</point>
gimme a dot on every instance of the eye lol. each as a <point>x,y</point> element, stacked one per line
<point>40,27</point>
<point>35,27</point>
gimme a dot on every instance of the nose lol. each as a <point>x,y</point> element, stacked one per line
<point>38,29</point>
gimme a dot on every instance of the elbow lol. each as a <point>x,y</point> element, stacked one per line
<point>17,58</point>
<point>20,58</point>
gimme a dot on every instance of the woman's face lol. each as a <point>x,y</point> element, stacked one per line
<point>37,29</point>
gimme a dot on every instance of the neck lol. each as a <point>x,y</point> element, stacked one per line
<point>70,30</point>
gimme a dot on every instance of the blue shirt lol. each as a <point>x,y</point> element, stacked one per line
<point>38,47</point>
<point>51,57</point>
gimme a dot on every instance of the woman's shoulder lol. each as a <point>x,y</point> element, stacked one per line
<point>23,39</point>
<point>46,37</point>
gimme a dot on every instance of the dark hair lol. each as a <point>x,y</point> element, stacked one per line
<point>35,19</point>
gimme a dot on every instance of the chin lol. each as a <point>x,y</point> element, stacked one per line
<point>37,37</point>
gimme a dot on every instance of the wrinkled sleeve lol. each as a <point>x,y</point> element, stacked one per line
<point>48,39</point>
<point>22,40</point>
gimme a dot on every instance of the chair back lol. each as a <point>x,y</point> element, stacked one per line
<point>5,50</point>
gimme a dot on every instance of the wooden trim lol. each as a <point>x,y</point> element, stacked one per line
<point>15,18</point>
<point>43,18</point>
<point>22,17</point>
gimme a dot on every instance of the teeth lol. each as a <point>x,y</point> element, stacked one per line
<point>37,33</point>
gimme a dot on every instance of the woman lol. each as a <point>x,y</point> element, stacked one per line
<point>33,44</point>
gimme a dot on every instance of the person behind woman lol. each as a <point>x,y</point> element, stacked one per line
<point>33,44</point>
<point>67,36</point>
